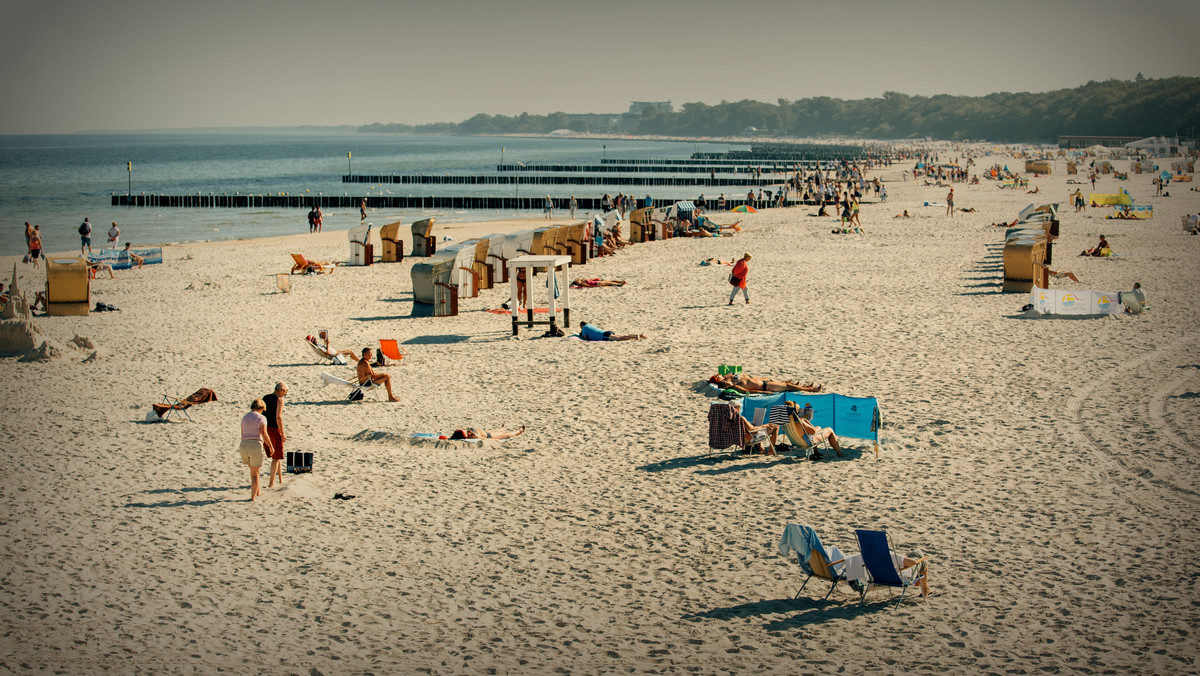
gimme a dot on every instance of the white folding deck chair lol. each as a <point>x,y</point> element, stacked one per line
<point>330,379</point>
<point>325,358</point>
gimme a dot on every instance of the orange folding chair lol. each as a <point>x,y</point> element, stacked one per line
<point>392,350</point>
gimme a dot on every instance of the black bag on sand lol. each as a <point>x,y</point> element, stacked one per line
<point>356,395</point>
<point>299,462</point>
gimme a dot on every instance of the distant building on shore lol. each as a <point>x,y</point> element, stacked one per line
<point>1089,141</point>
<point>637,108</point>
<point>1160,146</point>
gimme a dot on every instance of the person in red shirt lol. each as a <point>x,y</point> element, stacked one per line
<point>737,279</point>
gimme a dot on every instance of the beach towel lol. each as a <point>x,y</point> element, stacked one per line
<point>502,311</point>
<point>803,540</point>
<point>724,427</point>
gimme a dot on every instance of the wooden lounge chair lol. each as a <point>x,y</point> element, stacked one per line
<point>303,265</point>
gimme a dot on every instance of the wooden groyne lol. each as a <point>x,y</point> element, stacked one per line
<point>782,165</point>
<point>644,181</point>
<point>585,204</point>
<point>640,168</point>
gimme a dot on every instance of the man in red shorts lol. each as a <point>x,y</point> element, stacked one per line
<point>274,415</point>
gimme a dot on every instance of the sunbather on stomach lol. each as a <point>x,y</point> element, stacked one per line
<point>476,433</point>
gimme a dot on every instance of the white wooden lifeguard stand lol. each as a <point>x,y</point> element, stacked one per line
<point>531,264</point>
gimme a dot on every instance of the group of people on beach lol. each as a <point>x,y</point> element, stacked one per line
<point>34,248</point>
<point>316,217</point>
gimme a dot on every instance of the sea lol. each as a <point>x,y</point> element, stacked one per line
<point>55,181</point>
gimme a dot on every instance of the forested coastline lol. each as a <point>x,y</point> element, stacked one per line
<point>1142,107</point>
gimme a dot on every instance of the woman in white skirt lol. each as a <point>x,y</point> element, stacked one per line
<point>254,442</point>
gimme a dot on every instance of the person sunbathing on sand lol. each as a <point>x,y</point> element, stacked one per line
<point>592,332</point>
<point>749,430</point>
<point>134,258</point>
<point>814,434</point>
<point>476,433</point>
<point>1060,274</point>
<point>903,215</point>
<point>330,353</point>
<point>596,281</point>
<point>750,385</point>
<point>368,376</point>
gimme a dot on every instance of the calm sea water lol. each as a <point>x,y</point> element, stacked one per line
<point>55,181</point>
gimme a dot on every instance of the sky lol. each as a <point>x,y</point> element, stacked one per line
<point>134,65</point>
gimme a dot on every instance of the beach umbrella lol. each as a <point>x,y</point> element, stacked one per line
<point>745,209</point>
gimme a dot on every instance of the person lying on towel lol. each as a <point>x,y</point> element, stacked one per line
<point>476,433</point>
<point>580,282</point>
<point>750,385</point>
<point>594,333</point>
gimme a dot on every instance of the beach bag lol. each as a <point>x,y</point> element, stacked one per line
<point>733,281</point>
<point>356,395</point>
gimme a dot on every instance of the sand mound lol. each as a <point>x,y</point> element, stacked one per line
<point>47,351</point>
<point>17,336</point>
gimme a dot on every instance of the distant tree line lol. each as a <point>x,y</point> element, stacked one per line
<point>1166,106</point>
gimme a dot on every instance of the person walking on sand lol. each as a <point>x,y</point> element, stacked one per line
<point>312,220</point>
<point>114,234</point>
<point>274,414</point>
<point>254,441</point>
<point>950,203</point>
<point>737,279</point>
<point>548,208</point>
<point>362,210</point>
<point>320,218</point>
<point>368,376</point>
<point>35,245</point>
<point>85,237</point>
<point>574,204</point>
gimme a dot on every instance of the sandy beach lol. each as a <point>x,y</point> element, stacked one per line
<point>1046,463</point>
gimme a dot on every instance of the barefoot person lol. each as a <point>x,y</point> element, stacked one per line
<point>476,433</point>
<point>750,385</point>
<point>254,440</point>
<point>134,258</point>
<point>274,415</point>
<point>737,279</point>
<point>368,376</point>
<point>813,434</point>
<point>594,333</point>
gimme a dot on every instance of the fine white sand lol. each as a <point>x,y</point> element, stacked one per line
<point>1048,464</point>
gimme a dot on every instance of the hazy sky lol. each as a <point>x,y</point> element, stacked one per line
<point>72,66</point>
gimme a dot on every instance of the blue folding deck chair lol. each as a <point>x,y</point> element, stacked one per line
<point>877,557</point>
<point>810,554</point>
